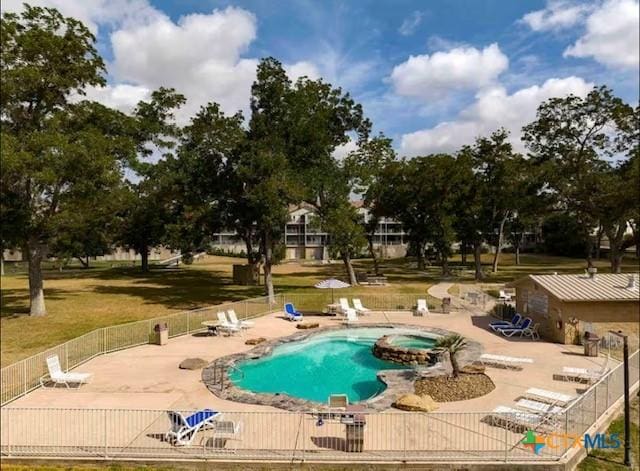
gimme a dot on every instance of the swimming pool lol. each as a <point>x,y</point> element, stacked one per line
<point>413,341</point>
<point>336,362</point>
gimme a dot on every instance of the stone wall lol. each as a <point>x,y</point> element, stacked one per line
<point>385,350</point>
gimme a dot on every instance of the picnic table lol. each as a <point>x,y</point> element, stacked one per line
<point>212,327</point>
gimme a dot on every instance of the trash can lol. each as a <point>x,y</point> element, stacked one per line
<point>591,344</point>
<point>446,305</point>
<point>160,334</point>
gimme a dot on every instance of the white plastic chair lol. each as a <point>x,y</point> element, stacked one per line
<point>344,306</point>
<point>360,309</point>
<point>551,397</point>
<point>352,316</point>
<point>57,376</point>
<point>421,308</point>
<point>224,325</point>
<point>233,320</point>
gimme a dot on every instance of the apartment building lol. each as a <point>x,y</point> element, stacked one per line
<point>305,240</point>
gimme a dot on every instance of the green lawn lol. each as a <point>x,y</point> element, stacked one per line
<point>613,459</point>
<point>80,300</point>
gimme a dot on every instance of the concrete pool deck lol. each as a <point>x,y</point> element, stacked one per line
<point>147,377</point>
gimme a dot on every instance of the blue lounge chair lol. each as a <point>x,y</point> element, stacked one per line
<point>291,312</point>
<point>521,329</point>
<point>506,324</point>
<point>184,429</point>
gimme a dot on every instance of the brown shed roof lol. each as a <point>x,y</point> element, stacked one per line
<point>604,287</point>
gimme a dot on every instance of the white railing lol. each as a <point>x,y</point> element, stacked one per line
<point>392,436</point>
<point>22,377</point>
<point>316,302</point>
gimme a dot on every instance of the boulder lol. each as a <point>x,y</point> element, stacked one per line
<point>413,402</point>
<point>473,368</point>
<point>307,325</point>
<point>193,364</point>
<point>255,341</point>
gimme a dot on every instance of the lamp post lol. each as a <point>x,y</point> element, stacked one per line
<point>627,402</point>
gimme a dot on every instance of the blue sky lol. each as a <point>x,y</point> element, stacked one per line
<point>431,75</point>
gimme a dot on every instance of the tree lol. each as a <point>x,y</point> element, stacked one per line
<point>367,164</point>
<point>346,235</point>
<point>265,184</point>
<point>572,140</point>
<point>149,205</point>
<point>320,118</point>
<point>453,344</point>
<point>50,157</point>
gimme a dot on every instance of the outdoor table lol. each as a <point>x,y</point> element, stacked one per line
<point>333,308</point>
<point>212,327</point>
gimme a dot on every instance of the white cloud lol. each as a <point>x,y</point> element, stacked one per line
<point>612,35</point>
<point>302,69</point>
<point>493,108</point>
<point>409,25</point>
<point>343,150</point>
<point>558,14</point>
<point>433,76</point>
<point>122,97</point>
<point>94,12</point>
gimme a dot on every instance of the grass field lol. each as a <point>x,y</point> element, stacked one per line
<point>80,300</point>
<point>612,459</point>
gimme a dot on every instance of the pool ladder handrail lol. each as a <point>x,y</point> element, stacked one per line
<point>220,369</point>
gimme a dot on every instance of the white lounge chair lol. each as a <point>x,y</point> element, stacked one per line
<point>344,306</point>
<point>184,429</point>
<point>57,376</point>
<point>225,326</point>
<point>517,420</point>
<point>539,407</point>
<point>351,316</point>
<point>421,308</point>
<point>571,373</point>
<point>504,361</point>
<point>360,309</point>
<point>504,296</point>
<point>233,320</point>
<point>547,396</point>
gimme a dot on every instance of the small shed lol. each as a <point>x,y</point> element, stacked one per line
<point>565,306</point>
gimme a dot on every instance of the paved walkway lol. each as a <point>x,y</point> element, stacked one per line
<point>440,290</point>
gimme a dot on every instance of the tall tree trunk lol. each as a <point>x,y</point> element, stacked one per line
<point>589,252</point>
<point>36,252</point>
<point>376,265</point>
<point>144,256</point>
<point>346,258</point>
<point>463,252</point>
<point>477,254</point>
<point>616,250</point>
<point>496,256</point>
<point>420,255</point>
<point>85,264</point>
<point>599,241</point>
<point>518,254</point>
<point>2,263</point>
<point>445,265</point>
<point>268,263</point>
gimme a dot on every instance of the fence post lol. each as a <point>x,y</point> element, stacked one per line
<point>66,355</point>
<point>506,444</point>
<point>104,340</point>
<point>188,322</point>
<point>106,443</point>
<point>24,375</point>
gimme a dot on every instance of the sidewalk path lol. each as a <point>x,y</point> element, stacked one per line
<point>440,290</point>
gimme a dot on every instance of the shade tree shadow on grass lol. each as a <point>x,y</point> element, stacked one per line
<point>15,302</point>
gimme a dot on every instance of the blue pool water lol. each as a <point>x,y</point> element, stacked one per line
<point>413,341</point>
<point>338,362</point>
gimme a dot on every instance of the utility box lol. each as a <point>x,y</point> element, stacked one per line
<point>591,344</point>
<point>246,275</point>
<point>160,334</point>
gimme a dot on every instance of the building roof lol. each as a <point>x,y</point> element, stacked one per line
<point>604,287</point>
